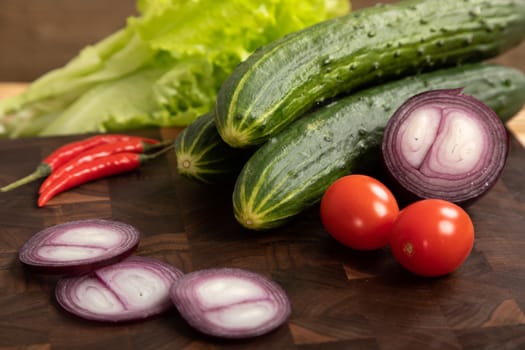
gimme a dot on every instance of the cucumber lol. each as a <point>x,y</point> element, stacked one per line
<point>288,77</point>
<point>204,157</point>
<point>291,171</point>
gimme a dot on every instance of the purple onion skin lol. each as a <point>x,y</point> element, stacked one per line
<point>417,172</point>
<point>119,292</point>
<point>109,252</point>
<point>221,302</point>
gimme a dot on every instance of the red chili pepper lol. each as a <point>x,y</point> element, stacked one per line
<point>96,169</point>
<point>64,153</point>
<point>133,145</point>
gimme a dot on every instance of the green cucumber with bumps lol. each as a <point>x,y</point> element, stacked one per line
<point>292,75</point>
<point>290,172</point>
<point>204,157</point>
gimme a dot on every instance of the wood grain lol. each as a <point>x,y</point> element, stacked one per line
<point>37,36</point>
<point>517,126</point>
<point>341,298</point>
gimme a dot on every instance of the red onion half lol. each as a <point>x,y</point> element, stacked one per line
<point>444,144</point>
<point>230,303</point>
<point>132,289</point>
<point>79,246</point>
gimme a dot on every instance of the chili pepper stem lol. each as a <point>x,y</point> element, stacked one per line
<point>154,146</point>
<point>41,171</point>
<point>146,157</point>
<point>101,167</point>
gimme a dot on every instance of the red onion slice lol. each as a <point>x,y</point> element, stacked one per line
<point>79,246</point>
<point>444,144</point>
<point>132,289</point>
<point>230,303</point>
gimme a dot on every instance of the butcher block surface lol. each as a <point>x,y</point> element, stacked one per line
<point>341,299</point>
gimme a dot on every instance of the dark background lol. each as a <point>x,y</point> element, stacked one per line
<point>39,35</point>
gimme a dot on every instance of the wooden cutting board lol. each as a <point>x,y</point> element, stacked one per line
<point>341,299</point>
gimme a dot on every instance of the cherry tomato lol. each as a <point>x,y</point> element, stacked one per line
<point>358,211</point>
<point>432,237</point>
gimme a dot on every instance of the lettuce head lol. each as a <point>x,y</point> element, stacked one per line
<point>162,69</point>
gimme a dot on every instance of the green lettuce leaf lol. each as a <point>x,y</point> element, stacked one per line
<point>163,68</point>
